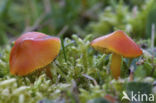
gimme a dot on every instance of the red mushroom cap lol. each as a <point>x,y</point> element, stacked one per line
<point>33,50</point>
<point>119,43</point>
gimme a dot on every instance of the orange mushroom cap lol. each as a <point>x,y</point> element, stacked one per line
<point>119,43</point>
<point>33,50</point>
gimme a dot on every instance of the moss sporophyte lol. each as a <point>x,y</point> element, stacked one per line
<point>119,44</point>
<point>32,51</point>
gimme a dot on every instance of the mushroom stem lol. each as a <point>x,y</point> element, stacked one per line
<point>48,71</point>
<point>115,65</point>
<point>131,77</point>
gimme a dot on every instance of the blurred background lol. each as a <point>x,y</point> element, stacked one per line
<point>81,17</point>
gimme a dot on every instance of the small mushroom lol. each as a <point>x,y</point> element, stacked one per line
<point>119,44</point>
<point>31,51</point>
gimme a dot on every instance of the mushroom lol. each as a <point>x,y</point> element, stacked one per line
<point>119,44</point>
<point>32,51</point>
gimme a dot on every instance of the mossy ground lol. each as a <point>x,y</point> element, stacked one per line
<point>82,76</point>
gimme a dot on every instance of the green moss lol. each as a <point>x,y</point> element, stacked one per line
<point>68,82</point>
